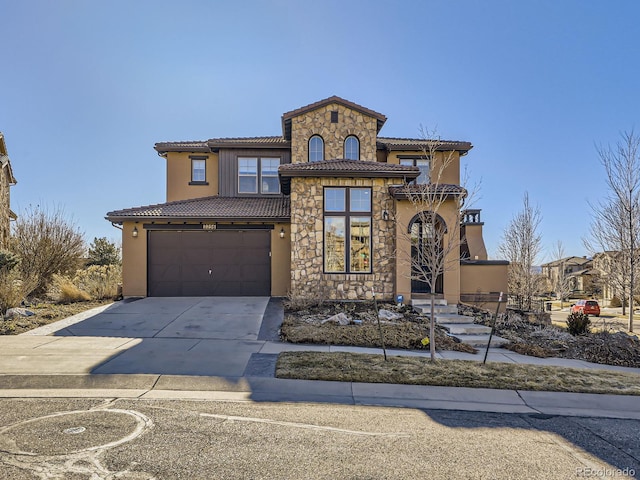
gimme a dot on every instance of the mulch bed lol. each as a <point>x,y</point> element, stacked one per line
<point>305,326</point>
<point>527,335</point>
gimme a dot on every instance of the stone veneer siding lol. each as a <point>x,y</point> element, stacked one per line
<point>307,230</point>
<point>318,122</point>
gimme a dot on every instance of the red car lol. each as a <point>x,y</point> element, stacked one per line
<point>588,307</point>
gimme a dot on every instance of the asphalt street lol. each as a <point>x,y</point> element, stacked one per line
<point>142,439</point>
<point>185,388</point>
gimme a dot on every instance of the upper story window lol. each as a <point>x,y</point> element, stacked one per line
<point>269,175</point>
<point>316,149</point>
<point>347,230</point>
<point>247,175</point>
<point>352,148</point>
<point>198,171</point>
<point>424,164</point>
<point>258,171</point>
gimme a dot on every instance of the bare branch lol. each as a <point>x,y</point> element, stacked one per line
<point>521,245</point>
<point>615,227</point>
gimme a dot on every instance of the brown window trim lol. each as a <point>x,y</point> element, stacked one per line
<point>347,214</point>
<point>202,158</point>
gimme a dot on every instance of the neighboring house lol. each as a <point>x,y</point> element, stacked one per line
<point>576,272</point>
<point>612,273</point>
<point>7,180</point>
<point>319,211</point>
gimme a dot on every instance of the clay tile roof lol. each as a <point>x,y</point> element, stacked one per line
<point>286,117</point>
<point>213,144</point>
<point>185,146</point>
<point>387,143</point>
<point>269,142</point>
<point>348,168</point>
<point>343,168</point>
<point>210,208</point>
<point>446,189</point>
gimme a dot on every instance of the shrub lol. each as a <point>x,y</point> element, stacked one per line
<point>63,290</point>
<point>103,252</point>
<point>8,261</point>
<point>47,244</point>
<point>13,288</point>
<point>615,302</point>
<point>99,281</point>
<point>578,323</point>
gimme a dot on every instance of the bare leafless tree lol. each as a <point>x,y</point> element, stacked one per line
<point>521,245</point>
<point>434,235</point>
<point>619,213</point>
<point>606,235</point>
<point>561,282</point>
<point>47,243</point>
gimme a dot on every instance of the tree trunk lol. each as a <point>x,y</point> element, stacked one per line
<point>432,328</point>
<point>631,312</point>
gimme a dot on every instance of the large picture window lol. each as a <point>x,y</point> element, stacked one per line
<point>258,175</point>
<point>347,230</point>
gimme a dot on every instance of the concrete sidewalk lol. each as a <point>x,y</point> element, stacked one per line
<point>38,364</point>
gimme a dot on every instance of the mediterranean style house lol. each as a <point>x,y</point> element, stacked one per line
<point>325,209</point>
<point>573,276</point>
<point>7,180</point>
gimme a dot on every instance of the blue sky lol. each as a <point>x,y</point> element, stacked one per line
<point>88,87</point>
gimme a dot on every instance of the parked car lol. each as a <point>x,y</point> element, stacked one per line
<point>588,307</point>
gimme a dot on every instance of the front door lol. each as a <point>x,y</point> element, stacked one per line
<point>426,257</point>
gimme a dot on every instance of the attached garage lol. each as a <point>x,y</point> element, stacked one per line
<point>209,263</point>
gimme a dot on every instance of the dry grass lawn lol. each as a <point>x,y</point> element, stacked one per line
<point>46,313</point>
<point>352,367</point>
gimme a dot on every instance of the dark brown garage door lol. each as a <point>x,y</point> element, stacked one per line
<point>218,263</point>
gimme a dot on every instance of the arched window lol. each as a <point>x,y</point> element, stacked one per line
<point>351,148</point>
<point>316,149</point>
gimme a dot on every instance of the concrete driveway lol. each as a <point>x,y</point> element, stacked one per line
<point>220,318</point>
<point>212,336</point>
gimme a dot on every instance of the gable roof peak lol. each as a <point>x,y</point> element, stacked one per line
<point>287,116</point>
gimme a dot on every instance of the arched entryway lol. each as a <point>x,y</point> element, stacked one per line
<point>427,231</point>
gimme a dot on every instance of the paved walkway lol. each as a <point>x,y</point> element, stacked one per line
<point>167,360</point>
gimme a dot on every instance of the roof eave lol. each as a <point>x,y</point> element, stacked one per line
<point>350,174</point>
<point>119,219</point>
<point>216,146</point>
<point>163,148</point>
<point>461,147</point>
<point>407,194</point>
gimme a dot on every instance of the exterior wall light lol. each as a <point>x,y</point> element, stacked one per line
<point>385,215</point>
<point>134,232</point>
<point>282,233</point>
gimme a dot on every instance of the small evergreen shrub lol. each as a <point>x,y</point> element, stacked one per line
<point>8,261</point>
<point>615,302</point>
<point>578,323</point>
